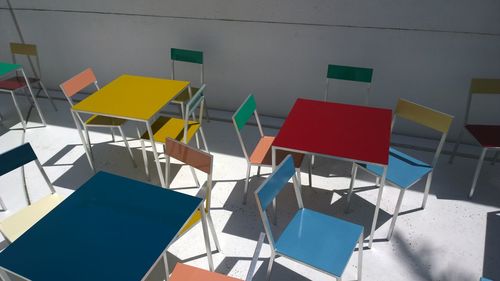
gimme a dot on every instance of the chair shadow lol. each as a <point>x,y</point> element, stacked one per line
<point>492,246</point>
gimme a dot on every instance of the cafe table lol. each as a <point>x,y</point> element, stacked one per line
<point>131,97</point>
<point>340,131</point>
<point>111,228</point>
<point>9,86</point>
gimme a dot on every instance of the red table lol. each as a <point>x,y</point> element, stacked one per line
<point>341,131</point>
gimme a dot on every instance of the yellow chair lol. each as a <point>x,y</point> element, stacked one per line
<point>404,171</point>
<point>488,136</point>
<point>15,225</point>
<point>202,161</point>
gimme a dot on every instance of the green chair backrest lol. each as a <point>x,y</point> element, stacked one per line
<point>351,73</point>
<point>244,113</point>
<point>186,55</point>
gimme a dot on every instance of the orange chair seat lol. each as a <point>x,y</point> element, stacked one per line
<point>183,272</point>
<point>262,154</point>
<point>15,83</point>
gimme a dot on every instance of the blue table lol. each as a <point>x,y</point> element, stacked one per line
<point>111,228</point>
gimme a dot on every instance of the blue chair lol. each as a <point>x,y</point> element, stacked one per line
<point>403,170</point>
<point>15,225</point>
<point>323,242</point>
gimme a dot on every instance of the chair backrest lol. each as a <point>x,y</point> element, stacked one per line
<point>272,186</point>
<point>481,86</point>
<point>349,73</point>
<point>194,103</point>
<point>424,116</point>
<point>241,117</point>
<point>193,157</point>
<point>29,50</point>
<point>78,82</point>
<point>188,56</point>
<point>18,157</point>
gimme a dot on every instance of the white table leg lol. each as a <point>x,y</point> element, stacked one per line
<point>84,143</point>
<point>377,207</point>
<point>155,154</point>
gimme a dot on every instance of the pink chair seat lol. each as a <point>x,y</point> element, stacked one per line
<point>15,83</point>
<point>486,135</point>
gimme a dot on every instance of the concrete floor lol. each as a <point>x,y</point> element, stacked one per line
<point>454,238</point>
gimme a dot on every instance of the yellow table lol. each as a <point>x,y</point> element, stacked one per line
<point>131,97</point>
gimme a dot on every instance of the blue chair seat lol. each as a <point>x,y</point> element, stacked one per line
<point>319,240</point>
<point>403,171</point>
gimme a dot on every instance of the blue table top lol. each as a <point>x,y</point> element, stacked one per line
<point>111,228</point>
<point>8,67</point>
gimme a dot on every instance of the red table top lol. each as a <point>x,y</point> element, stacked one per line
<point>346,131</point>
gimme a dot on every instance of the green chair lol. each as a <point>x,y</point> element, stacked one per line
<point>187,56</point>
<point>349,73</point>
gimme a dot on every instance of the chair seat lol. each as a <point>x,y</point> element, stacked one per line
<point>17,82</point>
<point>403,170</point>
<point>172,128</point>
<point>99,120</point>
<point>183,272</point>
<point>14,226</point>
<point>486,135</point>
<point>319,240</point>
<point>183,97</point>
<point>262,154</point>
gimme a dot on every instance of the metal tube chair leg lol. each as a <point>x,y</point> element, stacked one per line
<point>18,110</point>
<point>270,265</point>
<point>360,257</point>
<point>455,148</point>
<point>427,188</point>
<point>34,99</point>
<point>396,213</point>
<point>26,95</point>
<point>89,143</point>
<point>255,257</point>
<point>194,176</point>
<point>351,186</point>
<point>144,155</point>
<point>165,263</point>
<point>25,186</point>
<point>258,171</point>
<point>310,172</point>
<point>212,230</point>
<point>377,206</point>
<point>247,179</point>
<point>203,139</point>
<point>82,138</point>
<point>47,94</point>
<point>197,140</point>
<point>206,236</point>
<point>112,134</point>
<point>2,204</point>
<point>128,147</point>
<point>298,177</point>
<point>478,170</point>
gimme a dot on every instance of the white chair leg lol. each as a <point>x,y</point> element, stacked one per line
<point>128,147</point>
<point>112,134</point>
<point>25,186</point>
<point>214,234</point>
<point>18,109</point>
<point>299,181</point>
<point>89,143</point>
<point>396,213</point>
<point>478,170</point>
<point>204,139</point>
<point>351,186</point>
<point>427,188</point>
<point>165,263</point>
<point>310,171</point>
<point>360,257</point>
<point>270,266</point>
<point>47,94</point>
<point>2,204</point>
<point>247,179</point>
<point>144,155</point>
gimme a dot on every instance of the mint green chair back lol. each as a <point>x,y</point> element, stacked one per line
<point>349,73</point>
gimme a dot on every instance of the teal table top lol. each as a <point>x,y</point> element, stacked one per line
<point>5,68</point>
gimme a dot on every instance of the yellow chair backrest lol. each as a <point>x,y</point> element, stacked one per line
<point>484,86</point>
<point>23,49</point>
<point>423,115</point>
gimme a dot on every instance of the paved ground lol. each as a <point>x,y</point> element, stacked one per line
<point>452,239</point>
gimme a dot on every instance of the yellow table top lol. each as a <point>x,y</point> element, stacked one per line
<point>132,97</point>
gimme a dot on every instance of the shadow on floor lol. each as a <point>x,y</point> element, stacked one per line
<point>492,246</point>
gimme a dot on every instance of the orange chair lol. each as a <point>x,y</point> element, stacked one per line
<point>79,82</point>
<point>183,272</point>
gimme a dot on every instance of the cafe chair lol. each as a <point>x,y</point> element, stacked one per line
<point>403,170</point>
<point>73,86</point>
<point>202,161</point>
<point>180,129</point>
<point>191,57</point>
<point>184,272</point>
<point>349,73</point>
<point>311,238</point>
<point>261,155</point>
<point>15,225</point>
<point>488,136</point>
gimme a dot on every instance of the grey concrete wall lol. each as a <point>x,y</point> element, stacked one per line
<point>425,51</point>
